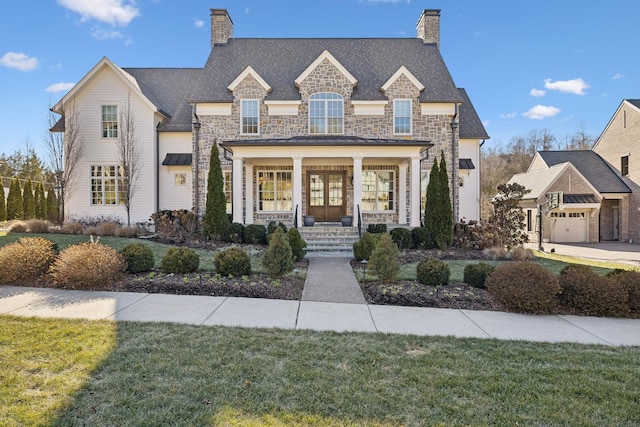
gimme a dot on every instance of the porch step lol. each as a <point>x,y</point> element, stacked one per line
<point>332,239</point>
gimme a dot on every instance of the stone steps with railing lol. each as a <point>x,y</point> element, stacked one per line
<point>329,238</point>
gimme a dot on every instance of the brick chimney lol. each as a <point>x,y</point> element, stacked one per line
<point>221,26</point>
<point>429,26</point>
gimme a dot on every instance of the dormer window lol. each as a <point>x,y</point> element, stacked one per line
<point>326,114</point>
<point>250,117</point>
<point>402,117</point>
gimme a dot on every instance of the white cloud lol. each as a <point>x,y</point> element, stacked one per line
<point>102,34</point>
<point>537,92</point>
<point>508,115</point>
<point>540,112</point>
<point>575,86</point>
<point>60,87</point>
<point>246,11</point>
<point>114,12</point>
<point>19,61</point>
<point>198,23</point>
<point>618,76</point>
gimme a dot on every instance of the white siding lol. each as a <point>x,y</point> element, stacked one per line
<point>172,196</point>
<point>470,190</point>
<point>106,88</point>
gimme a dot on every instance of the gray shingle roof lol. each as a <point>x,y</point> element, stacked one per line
<point>635,102</point>
<point>592,166</point>
<point>470,124</point>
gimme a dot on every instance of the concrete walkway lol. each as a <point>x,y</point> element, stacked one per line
<point>331,280</point>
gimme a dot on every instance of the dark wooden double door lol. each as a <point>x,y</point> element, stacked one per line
<point>326,195</point>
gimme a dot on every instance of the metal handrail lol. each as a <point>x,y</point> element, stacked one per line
<point>359,223</point>
<point>295,218</point>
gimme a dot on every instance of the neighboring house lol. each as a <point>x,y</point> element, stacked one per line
<point>322,127</point>
<point>599,187</point>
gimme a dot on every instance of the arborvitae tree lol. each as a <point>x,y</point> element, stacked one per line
<point>28,200</point>
<point>444,233</point>
<point>41,202</point>
<point>52,206</point>
<point>15,209</point>
<point>215,214</point>
<point>278,258</point>
<point>3,205</point>
<point>433,199</point>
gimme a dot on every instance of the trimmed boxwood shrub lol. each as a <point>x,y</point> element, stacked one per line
<point>384,259</point>
<point>180,260</point>
<point>278,259</point>
<point>432,272</point>
<point>524,287</point>
<point>255,234</point>
<point>585,292</point>
<point>27,261</point>
<point>402,237</point>
<point>476,274</point>
<point>421,238</point>
<point>139,257</point>
<point>630,280</point>
<point>297,244</point>
<point>363,248</point>
<point>88,265</point>
<point>233,233</point>
<point>232,262</point>
<point>272,226</point>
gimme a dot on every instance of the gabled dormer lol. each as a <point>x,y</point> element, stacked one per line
<point>249,72</point>
<point>402,71</point>
<point>326,56</point>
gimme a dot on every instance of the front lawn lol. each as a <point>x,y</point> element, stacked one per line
<point>69,372</point>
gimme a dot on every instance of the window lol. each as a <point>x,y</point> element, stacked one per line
<point>109,121</point>
<point>529,220</point>
<point>180,179</point>
<point>377,190</point>
<point>228,186</point>
<point>624,165</point>
<point>275,191</point>
<point>402,116</point>
<point>104,184</point>
<point>250,114</point>
<point>325,114</point>
<point>558,215</point>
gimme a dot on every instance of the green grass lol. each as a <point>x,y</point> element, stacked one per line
<point>102,374</point>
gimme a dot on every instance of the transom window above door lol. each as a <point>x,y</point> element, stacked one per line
<point>326,114</point>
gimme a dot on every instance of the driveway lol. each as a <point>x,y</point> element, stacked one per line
<point>625,253</point>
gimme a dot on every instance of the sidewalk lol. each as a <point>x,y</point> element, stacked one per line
<point>314,315</point>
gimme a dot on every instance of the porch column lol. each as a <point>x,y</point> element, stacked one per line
<point>357,188</point>
<point>297,188</point>
<point>415,192</point>
<point>236,178</point>
<point>402,197</point>
<point>248,196</point>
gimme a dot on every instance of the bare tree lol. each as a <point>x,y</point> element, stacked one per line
<point>129,155</point>
<point>65,145</point>
<point>579,140</point>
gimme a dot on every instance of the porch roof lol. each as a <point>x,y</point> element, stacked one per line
<point>327,140</point>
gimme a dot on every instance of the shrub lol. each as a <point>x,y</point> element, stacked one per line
<point>90,230</point>
<point>129,232</point>
<point>297,244</point>
<point>139,257</point>
<point>272,226</point>
<point>71,228</point>
<point>585,292</point>
<point>377,228</point>
<point>363,248</point>
<point>518,253</point>
<point>26,261</point>
<point>180,260</point>
<point>384,259</point>
<point>277,259</point>
<point>474,236</point>
<point>524,287</point>
<point>421,238</point>
<point>233,233</point>
<point>432,272</point>
<point>255,234</point>
<point>18,227</point>
<point>496,253</point>
<point>232,262</point>
<point>37,226</point>
<point>402,238</point>
<point>87,266</point>
<point>476,274</point>
<point>107,228</point>
<point>630,280</point>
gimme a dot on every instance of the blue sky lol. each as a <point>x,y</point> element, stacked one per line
<point>560,65</point>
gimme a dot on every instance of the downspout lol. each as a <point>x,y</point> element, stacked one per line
<point>196,154</point>
<point>454,166</point>
<point>157,160</point>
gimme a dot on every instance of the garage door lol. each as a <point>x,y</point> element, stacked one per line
<point>569,227</point>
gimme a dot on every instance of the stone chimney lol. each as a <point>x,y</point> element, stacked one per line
<point>221,26</point>
<point>429,26</point>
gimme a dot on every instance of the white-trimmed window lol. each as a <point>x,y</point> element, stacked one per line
<point>275,191</point>
<point>326,114</point>
<point>104,184</point>
<point>180,179</point>
<point>250,117</point>
<point>378,191</point>
<point>402,116</point>
<point>228,188</point>
<point>109,118</point>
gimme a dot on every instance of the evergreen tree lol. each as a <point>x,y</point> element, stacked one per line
<point>444,233</point>
<point>52,206</point>
<point>15,209</point>
<point>3,205</point>
<point>215,214</point>
<point>28,201</point>
<point>431,206</point>
<point>41,202</point>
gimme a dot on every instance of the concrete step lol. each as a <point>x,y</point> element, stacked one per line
<point>329,238</point>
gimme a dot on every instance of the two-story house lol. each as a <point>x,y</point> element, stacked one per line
<point>322,127</point>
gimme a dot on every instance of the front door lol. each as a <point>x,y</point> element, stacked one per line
<point>326,195</point>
